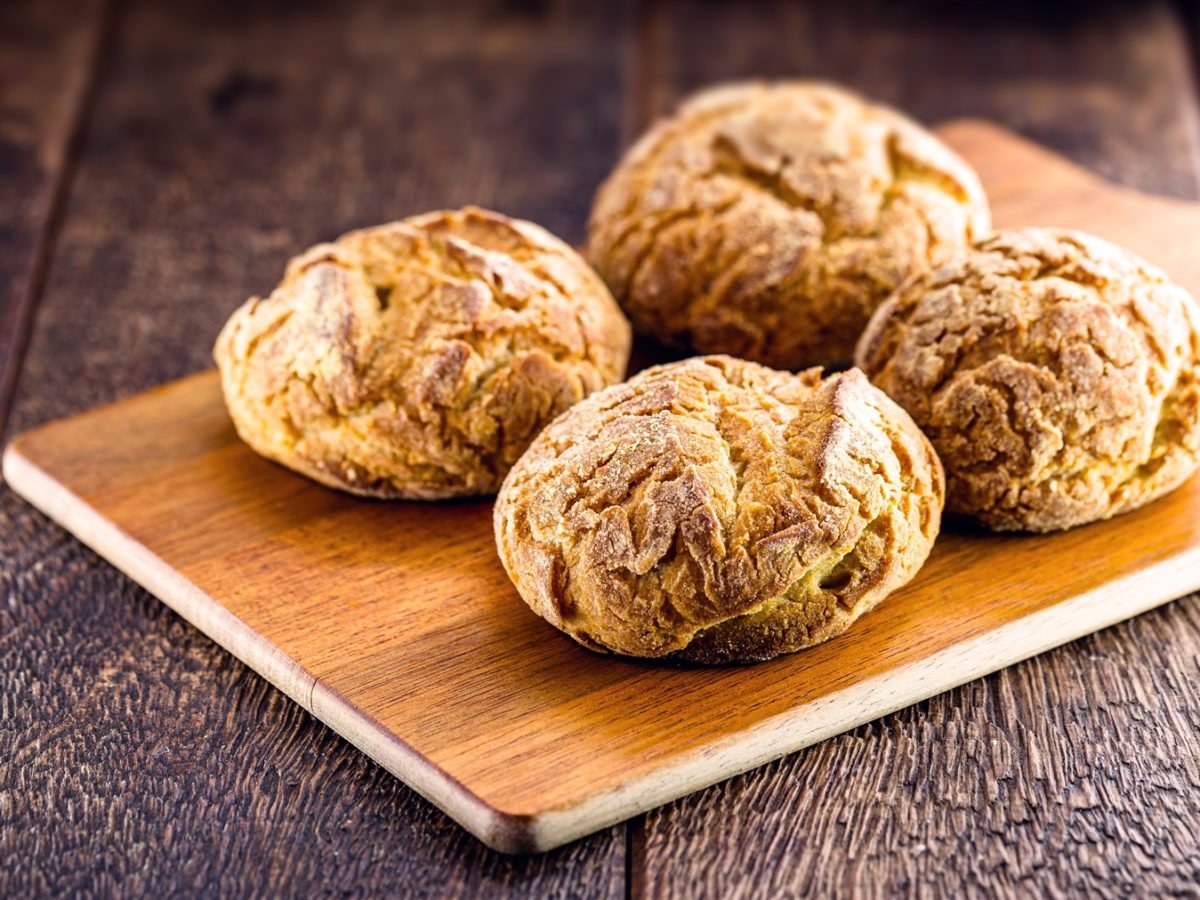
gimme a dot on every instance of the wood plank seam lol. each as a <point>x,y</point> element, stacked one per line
<point>1188,14</point>
<point>1185,21</point>
<point>82,104</point>
<point>643,27</point>
<point>642,77</point>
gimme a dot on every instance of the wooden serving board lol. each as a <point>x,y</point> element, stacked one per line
<point>395,624</point>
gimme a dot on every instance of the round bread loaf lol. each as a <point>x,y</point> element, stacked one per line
<point>1057,375</point>
<point>419,359</point>
<point>768,221</point>
<point>715,510</point>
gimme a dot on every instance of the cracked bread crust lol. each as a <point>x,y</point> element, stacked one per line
<point>769,220</point>
<point>418,359</point>
<point>1057,375</point>
<point>714,510</point>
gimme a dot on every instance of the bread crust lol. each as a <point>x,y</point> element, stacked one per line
<point>418,359</point>
<point>714,510</point>
<point>769,220</point>
<point>1057,375</point>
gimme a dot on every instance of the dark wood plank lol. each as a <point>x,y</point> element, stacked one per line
<point>1074,773</point>
<point>228,136</point>
<point>140,759</point>
<point>1105,83</point>
<point>106,796</point>
<point>49,55</point>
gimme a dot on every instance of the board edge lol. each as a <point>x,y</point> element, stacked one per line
<point>521,833</point>
<point>984,130</point>
<point>536,832</point>
<point>505,832</point>
<point>776,737</point>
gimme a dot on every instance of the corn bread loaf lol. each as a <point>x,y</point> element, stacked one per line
<point>419,359</point>
<point>1057,375</point>
<point>715,510</point>
<point>769,220</point>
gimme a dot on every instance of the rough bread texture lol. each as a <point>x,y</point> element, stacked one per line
<point>1057,375</point>
<point>715,510</point>
<point>419,359</point>
<point>768,221</point>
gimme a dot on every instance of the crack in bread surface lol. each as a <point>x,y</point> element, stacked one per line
<point>695,510</point>
<point>1055,373</point>
<point>419,358</point>
<point>822,201</point>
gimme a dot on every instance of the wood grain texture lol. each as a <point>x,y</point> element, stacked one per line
<point>1108,84</point>
<point>1068,775</point>
<point>94,810</point>
<point>1073,774</point>
<point>224,136</point>
<point>395,624</point>
<point>227,137</point>
<point>49,55</point>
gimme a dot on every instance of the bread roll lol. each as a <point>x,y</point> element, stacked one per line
<point>715,510</point>
<point>1057,375</point>
<point>768,221</point>
<point>419,359</point>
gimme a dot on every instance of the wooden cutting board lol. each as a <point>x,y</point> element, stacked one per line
<point>395,624</point>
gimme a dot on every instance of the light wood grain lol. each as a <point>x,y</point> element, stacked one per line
<point>395,624</point>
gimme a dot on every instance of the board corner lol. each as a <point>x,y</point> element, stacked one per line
<point>16,466</point>
<point>520,834</point>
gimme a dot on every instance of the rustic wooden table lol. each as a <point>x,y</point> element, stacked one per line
<point>161,161</point>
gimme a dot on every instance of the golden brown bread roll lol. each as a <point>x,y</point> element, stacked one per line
<point>715,510</point>
<point>1057,375</point>
<point>419,359</point>
<point>768,221</point>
